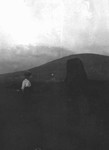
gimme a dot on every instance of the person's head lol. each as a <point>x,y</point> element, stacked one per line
<point>27,74</point>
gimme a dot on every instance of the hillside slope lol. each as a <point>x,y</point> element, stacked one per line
<point>96,67</point>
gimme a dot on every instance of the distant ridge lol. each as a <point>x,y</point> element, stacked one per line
<point>96,67</point>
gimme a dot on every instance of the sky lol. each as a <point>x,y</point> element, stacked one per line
<point>79,26</point>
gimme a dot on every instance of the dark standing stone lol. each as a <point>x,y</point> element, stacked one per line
<point>76,77</point>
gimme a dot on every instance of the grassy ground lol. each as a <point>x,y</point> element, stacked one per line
<point>54,120</point>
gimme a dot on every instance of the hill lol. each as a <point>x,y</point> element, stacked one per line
<point>96,67</point>
<point>21,58</point>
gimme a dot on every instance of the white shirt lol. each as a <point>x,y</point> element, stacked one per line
<point>25,83</point>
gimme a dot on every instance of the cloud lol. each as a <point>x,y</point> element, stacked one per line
<point>61,23</point>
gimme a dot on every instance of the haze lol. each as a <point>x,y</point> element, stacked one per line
<point>79,26</point>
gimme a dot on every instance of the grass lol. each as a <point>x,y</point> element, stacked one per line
<point>53,120</point>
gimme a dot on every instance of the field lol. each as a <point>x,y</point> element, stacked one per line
<point>54,120</point>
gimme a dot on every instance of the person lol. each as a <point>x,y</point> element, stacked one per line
<point>26,87</point>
